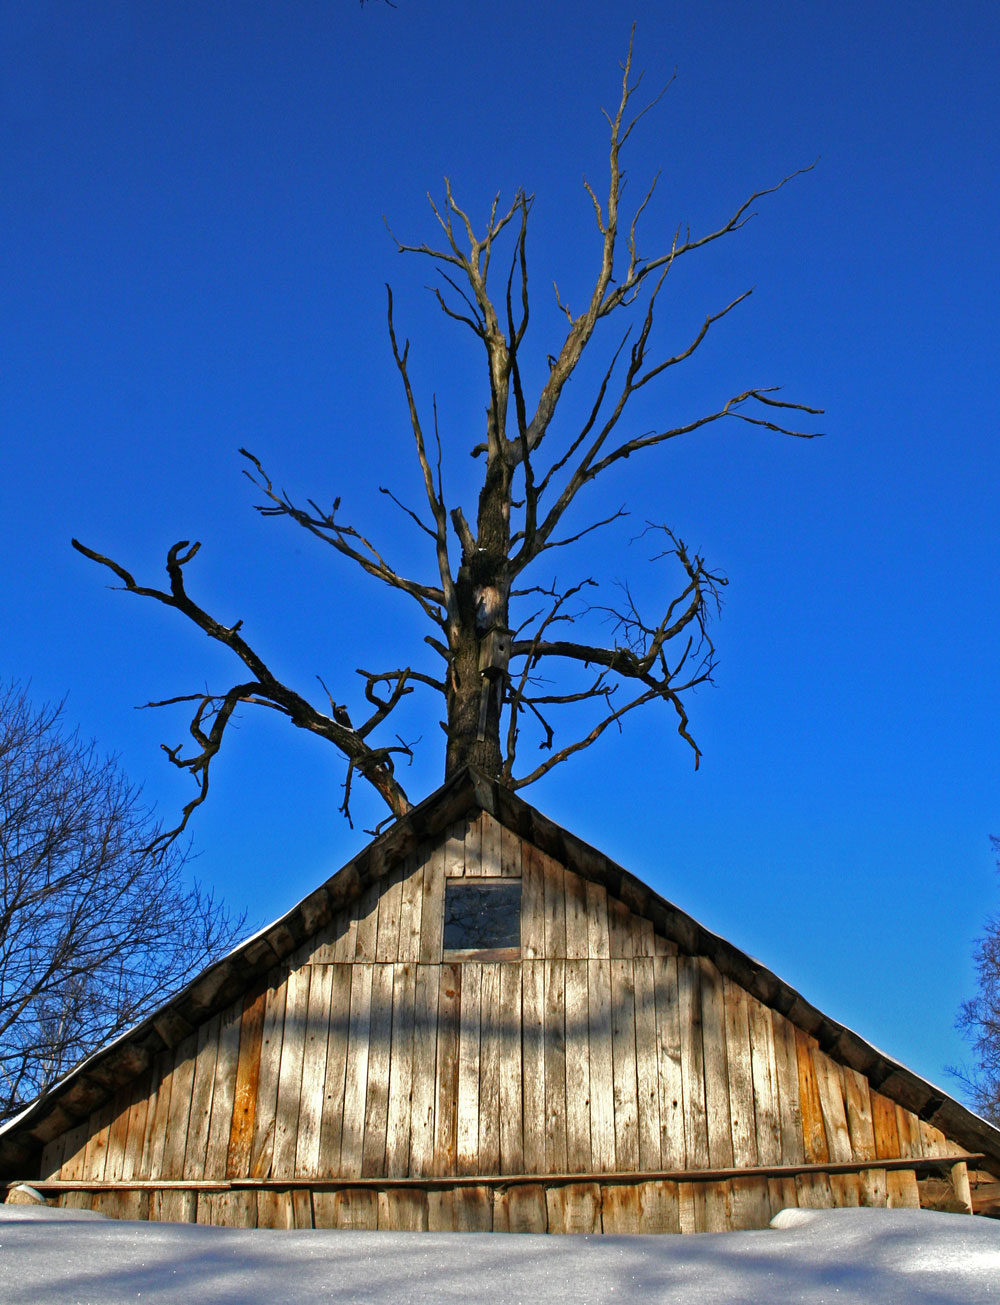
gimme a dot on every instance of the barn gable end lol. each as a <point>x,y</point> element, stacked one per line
<point>622,1069</point>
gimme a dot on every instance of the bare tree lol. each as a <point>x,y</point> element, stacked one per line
<point>979,1019</point>
<point>94,928</point>
<point>511,643</point>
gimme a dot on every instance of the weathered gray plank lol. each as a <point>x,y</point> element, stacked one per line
<point>397,1148</point>
<point>577,925</point>
<point>673,1153</point>
<point>335,1076</point>
<point>555,1066</point>
<point>743,1123</point>
<point>623,1048</point>
<point>511,1102</point>
<point>356,1086</point>
<point>533,904</point>
<point>468,1069</point>
<point>646,1063</point>
<point>574,1208</point>
<point>598,934</point>
<point>446,1071</point>
<point>410,910</point>
<point>713,1016</point>
<point>578,1152</point>
<point>432,908</point>
<point>692,1065</point>
<point>602,1084</point>
<point>765,1083</point>
<point>380,1045</point>
<point>308,1159</point>
<point>533,1048</point>
<point>390,905</point>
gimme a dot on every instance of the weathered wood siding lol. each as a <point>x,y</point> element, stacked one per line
<point>370,1054</point>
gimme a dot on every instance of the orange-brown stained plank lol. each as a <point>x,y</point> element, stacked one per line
<point>118,1133</point>
<point>201,1099</point>
<point>574,1208</point>
<point>717,1111</point>
<point>425,1022</point>
<point>813,1133</point>
<point>156,1115</point>
<point>397,1146</point>
<point>489,1070</point>
<point>885,1126</point>
<point>245,1091</point>
<point>138,1111</point>
<point>578,1152</point>
<point>520,1209</point>
<point>377,1099</point>
<point>446,1070</point>
<point>335,1078</point>
<point>402,1210</point>
<point>511,1101</point>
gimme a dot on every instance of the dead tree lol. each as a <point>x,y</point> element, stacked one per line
<point>505,640</point>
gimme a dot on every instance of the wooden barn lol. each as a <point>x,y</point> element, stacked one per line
<point>482,1023</point>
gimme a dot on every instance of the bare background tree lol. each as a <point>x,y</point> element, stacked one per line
<point>979,1019</point>
<point>94,929</point>
<point>518,651</point>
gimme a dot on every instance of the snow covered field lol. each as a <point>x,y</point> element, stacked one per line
<point>851,1257</point>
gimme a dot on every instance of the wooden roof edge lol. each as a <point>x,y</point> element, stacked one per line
<point>96,1077</point>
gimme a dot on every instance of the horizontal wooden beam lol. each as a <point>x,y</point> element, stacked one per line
<point>920,1164</point>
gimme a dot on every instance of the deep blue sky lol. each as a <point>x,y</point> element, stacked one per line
<point>193,259</point>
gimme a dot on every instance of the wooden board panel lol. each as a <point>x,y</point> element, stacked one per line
<point>742,1119</point>
<point>814,1192</point>
<point>520,1209</point>
<point>356,1082</point>
<point>643,937</point>
<point>574,1208</point>
<point>621,1208</point>
<point>534,906</point>
<point>833,1105</point>
<point>660,1207</point>
<point>425,1019</point>
<point>533,1065</point>
<point>302,1213</point>
<point>274,1209</point>
<point>555,1066</point>
<point>267,1086</point>
<point>578,1153</point>
<point>623,1054</point>
<point>468,1070</point>
<point>489,1070</point>
<point>390,905</point>
<point>397,1146</point>
<point>783,1194</point>
<point>366,933</point>
<point>750,1203</point>
<point>335,1076</point>
<point>718,1198</point>
<point>490,864</point>
<point>138,1114</point>
<point>717,1113</point>
<point>446,1071</point>
<point>908,1126</point>
<point>789,1108</point>
<point>177,1206</point>
<point>172,1165</point>
<point>692,1062</point>
<point>293,1041</point>
<point>118,1134</point>
<point>474,845</point>
<point>510,853</point>
<point>813,1133</point>
<point>355,1207</point>
<point>402,1210</point>
<point>432,908</point>
<point>577,926</point>
<point>764,1071</point>
<point>598,933</point>
<point>602,1081</point>
<point>620,940</point>
<point>460,1209</point>
<point>673,1154</point>
<point>379,1050</point>
<point>345,935</point>
<point>691,1207</point>
<point>221,1123</point>
<point>410,910</point>
<point>308,1162</point>
<point>201,1099</point>
<point>511,1102</point>
<point>156,1116</point>
<point>554,878</point>
<point>245,1088</point>
<point>454,851</point>
<point>884,1125</point>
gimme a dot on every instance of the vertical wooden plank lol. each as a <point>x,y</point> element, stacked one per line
<point>813,1133</point>
<point>356,1081</point>
<point>474,845</point>
<point>789,1108</point>
<point>533,1069</point>
<point>75,1153</point>
<point>454,851</point>
<point>885,1127</point>
<point>646,1063</point>
<point>713,1016</point>
<point>578,1153</point>
<point>783,1194</point>
<point>621,1207</point>
<point>390,904</point>
<point>555,1066</point>
<point>432,908</point>
<point>620,940</point>
<point>511,1102</point>
<point>53,1154</point>
<point>308,1162</point>
<point>335,1077</point>
<point>692,1063</point>
<point>492,838</point>
<point>660,1207</point>
<point>402,1210</point>
<point>138,1112</point>
<point>460,1209</point>
<point>446,1071</point>
<point>523,1209</point>
<point>750,1203</point>
<point>833,1105</point>
<point>577,925</point>
<point>397,1148</point>
<point>274,1209</point>
<point>425,1020</point>
<point>118,1134</point>
<point>366,932</point>
<point>245,1091</point>
<point>602,1083</point>
<point>623,1055</point>
<point>156,1116</point>
<point>267,1084</point>
<point>764,1071</point>
<point>468,1069</point>
<point>534,903</point>
<point>181,1083</point>
<point>554,876</point>
<point>574,1208</point>
<point>742,1121</point>
<point>223,1094</point>
<point>173,1206</point>
<point>643,938</point>
<point>718,1206</point>
<point>673,1153</point>
<point>908,1126</point>
<point>410,910</point>
<point>201,1099</point>
<point>872,1189</point>
<point>489,1070</point>
<point>598,935</point>
<point>379,1049</point>
<point>814,1192</point>
<point>345,935</point>
<point>293,1041</point>
<point>510,853</point>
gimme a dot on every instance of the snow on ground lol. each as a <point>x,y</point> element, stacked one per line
<point>818,1257</point>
